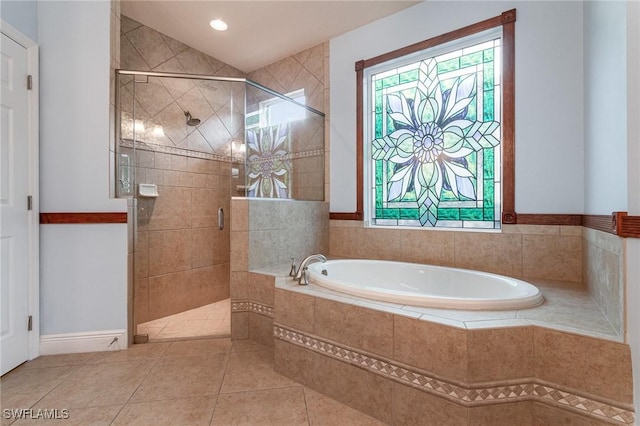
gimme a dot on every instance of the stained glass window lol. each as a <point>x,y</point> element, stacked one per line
<point>268,156</point>
<point>434,132</point>
<point>268,162</point>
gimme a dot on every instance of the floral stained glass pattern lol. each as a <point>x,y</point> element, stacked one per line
<point>268,163</point>
<point>435,149</point>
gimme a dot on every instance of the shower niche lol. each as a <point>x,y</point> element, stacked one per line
<point>194,142</point>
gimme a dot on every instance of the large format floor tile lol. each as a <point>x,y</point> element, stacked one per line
<point>98,385</point>
<point>182,411</point>
<point>23,387</point>
<point>282,407</point>
<point>189,382</point>
<point>324,411</point>
<point>177,377</point>
<point>252,371</point>
<point>94,416</point>
<point>198,347</point>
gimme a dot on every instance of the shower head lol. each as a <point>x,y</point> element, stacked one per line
<point>190,120</point>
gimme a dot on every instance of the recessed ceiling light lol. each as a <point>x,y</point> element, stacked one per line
<point>218,25</point>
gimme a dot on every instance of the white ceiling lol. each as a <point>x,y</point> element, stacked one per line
<point>260,32</point>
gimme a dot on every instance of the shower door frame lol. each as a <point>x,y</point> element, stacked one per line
<point>132,323</point>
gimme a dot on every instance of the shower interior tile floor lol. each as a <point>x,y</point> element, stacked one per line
<point>195,382</point>
<point>213,319</point>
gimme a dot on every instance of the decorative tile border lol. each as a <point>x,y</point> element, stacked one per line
<point>526,390</point>
<point>128,143</point>
<point>145,146</point>
<point>289,156</point>
<point>251,306</point>
<point>582,404</point>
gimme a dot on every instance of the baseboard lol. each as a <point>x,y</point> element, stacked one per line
<point>96,341</point>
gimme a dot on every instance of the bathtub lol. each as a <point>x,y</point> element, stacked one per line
<point>424,285</point>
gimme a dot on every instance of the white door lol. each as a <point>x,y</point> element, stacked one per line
<point>14,168</point>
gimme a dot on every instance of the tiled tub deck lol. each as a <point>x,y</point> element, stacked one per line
<point>559,363</point>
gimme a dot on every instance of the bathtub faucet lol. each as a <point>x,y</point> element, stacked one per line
<point>301,273</point>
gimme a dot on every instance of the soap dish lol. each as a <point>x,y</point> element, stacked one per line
<point>148,190</point>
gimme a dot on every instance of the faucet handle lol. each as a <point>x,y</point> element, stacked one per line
<point>293,271</point>
<point>303,277</point>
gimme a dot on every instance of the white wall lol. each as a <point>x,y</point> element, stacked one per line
<point>23,15</point>
<point>83,278</point>
<point>633,109</point>
<point>612,135</point>
<point>83,267</point>
<point>549,82</point>
<point>74,103</point>
<point>605,115</point>
<point>633,194</point>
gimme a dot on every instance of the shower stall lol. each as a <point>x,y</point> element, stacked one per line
<point>186,144</point>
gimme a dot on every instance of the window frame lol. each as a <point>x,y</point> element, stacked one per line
<point>507,21</point>
<point>458,45</point>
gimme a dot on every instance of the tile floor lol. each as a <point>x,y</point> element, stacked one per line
<point>194,382</point>
<point>208,320</point>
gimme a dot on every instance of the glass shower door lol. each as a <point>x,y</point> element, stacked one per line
<point>176,137</point>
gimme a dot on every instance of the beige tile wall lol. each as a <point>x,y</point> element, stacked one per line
<point>304,70</point>
<point>482,358</point>
<point>500,354</point>
<point>262,289</point>
<point>593,365</point>
<point>355,387</point>
<point>307,178</point>
<point>182,259</point>
<point>545,415</point>
<point>220,105</point>
<point>364,328</point>
<point>603,260</point>
<point>168,259</point>
<point>411,407</point>
<point>265,233</point>
<point>282,229</point>
<point>308,70</point>
<point>261,329</point>
<point>551,252</point>
<point>432,347</point>
<point>162,101</point>
<point>240,288</point>
<point>502,414</point>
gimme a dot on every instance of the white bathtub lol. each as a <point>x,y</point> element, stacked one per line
<point>424,285</point>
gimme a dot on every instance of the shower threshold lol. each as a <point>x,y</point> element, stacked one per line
<point>212,320</point>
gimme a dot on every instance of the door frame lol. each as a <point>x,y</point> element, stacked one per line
<point>33,184</point>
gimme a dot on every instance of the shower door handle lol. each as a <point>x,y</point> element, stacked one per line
<point>221,218</point>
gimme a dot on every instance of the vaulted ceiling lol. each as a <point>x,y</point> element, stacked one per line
<point>260,32</point>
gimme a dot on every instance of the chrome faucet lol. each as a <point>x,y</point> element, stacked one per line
<point>301,273</point>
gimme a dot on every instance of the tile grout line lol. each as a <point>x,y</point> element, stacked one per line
<point>224,374</point>
<point>293,386</point>
<point>306,406</point>
<point>155,361</point>
<point>75,369</point>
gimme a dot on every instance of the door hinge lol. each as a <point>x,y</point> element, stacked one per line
<point>29,202</point>
<point>29,82</point>
<point>30,323</point>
